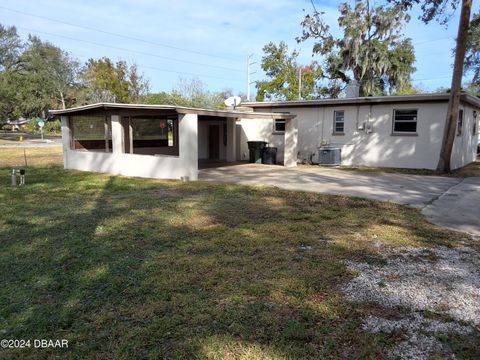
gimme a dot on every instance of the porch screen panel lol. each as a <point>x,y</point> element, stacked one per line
<point>91,133</point>
<point>152,136</point>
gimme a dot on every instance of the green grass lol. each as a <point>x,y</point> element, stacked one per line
<point>472,169</point>
<point>132,268</point>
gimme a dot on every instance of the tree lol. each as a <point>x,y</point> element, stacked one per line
<point>138,86</point>
<point>472,57</point>
<point>196,95</point>
<point>106,81</point>
<point>372,50</point>
<point>438,9</point>
<point>410,90</point>
<point>284,75</point>
<point>10,48</point>
<point>43,77</point>
<point>190,93</point>
<point>165,98</point>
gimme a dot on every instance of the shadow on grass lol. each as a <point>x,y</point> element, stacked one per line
<point>129,268</point>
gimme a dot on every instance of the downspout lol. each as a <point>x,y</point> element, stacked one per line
<point>356,117</point>
<point>322,132</point>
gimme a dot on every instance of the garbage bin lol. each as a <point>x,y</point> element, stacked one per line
<point>269,155</point>
<point>255,151</point>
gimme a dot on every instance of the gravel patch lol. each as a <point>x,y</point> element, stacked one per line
<point>441,280</point>
<point>419,334</point>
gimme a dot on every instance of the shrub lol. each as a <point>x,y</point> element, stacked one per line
<point>52,126</point>
<point>31,127</point>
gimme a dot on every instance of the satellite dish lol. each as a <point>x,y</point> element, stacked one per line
<point>233,101</point>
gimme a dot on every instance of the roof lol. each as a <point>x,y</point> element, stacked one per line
<point>20,121</point>
<point>469,99</point>
<point>112,107</point>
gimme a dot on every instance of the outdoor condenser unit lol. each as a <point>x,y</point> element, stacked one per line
<point>329,155</point>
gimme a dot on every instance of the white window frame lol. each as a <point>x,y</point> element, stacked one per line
<point>395,121</point>
<point>335,121</point>
<point>460,119</point>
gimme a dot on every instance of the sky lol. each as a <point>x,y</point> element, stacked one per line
<point>208,39</point>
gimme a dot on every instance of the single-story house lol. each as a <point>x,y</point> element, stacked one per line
<point>384,131</point>
<point>169,142</point>
<point>164,141</point>
<point>18,124</point>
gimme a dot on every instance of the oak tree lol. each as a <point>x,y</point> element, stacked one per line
<point>287,79</point>
<point>371,51</point>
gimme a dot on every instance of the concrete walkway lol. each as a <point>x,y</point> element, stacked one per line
<point>412,190</point>
<point>458,208</point>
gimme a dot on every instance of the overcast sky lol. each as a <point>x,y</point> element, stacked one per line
<point>209,39</point>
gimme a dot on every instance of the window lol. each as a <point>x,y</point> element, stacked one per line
<point>151,136</point>
<point>279,126</point>
<point>460,122</point>
<point>338,122</point>
<point>475,123</point>
<point>91,133</point>
<point>405,121</point>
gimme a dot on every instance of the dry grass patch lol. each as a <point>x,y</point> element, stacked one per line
<point>15,157</point>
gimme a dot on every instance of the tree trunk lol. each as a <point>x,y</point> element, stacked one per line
<point>454,102</point>
<point>63,100</point>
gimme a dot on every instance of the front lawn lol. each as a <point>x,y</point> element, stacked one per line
<point>129,268</point>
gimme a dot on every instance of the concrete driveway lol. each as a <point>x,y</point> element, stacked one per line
<point>453,203</point>
<point>458,208</point>
<point>412,190</point>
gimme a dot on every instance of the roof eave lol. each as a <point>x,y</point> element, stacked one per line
<point>472,100</point>
<point>178,109</point>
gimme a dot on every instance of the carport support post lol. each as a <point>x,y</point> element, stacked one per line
<point>188,144</point>
<point>231,140</point>
<point>117,141</point>
<point>66,139</point>
<point>291,138</point>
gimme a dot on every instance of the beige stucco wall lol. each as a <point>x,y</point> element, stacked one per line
<point>120,163</point>
<point>380,147</point>
<point>259,130</point>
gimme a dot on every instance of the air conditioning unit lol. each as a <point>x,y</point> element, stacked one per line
<point>368,128</point>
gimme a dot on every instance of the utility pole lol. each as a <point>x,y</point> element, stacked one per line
<point>300,83</point>
<point>249,63</point>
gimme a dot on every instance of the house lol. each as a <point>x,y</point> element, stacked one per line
<point>385,131</point>
<point>18,125</point>
<point>169,142</point>
<point>163,141</point>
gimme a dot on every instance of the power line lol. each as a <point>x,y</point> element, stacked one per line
<point>129,50</point>
<point>435,78</point>
<point>165,70</point>
<point>434,40</point>
<point>118,35</point>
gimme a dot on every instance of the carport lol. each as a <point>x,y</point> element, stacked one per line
<point>159,141</point>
